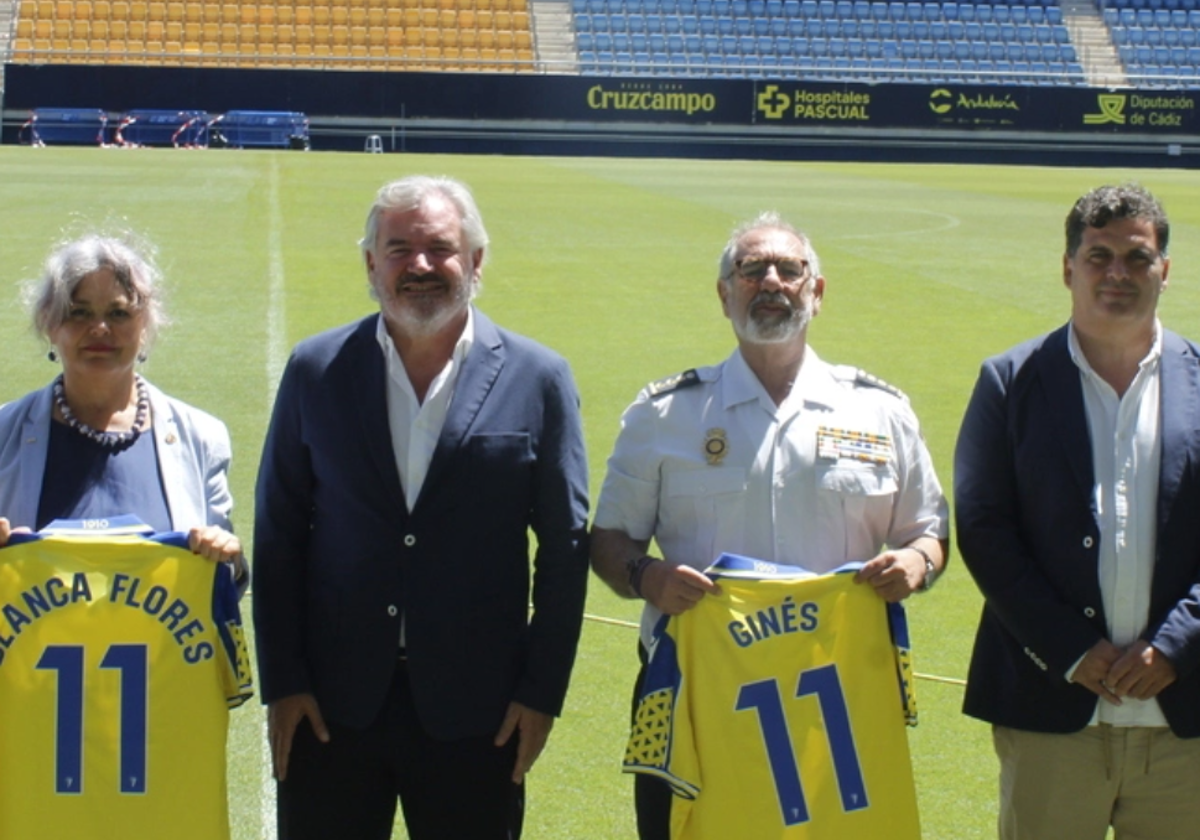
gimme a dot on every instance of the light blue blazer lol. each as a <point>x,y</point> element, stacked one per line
<point>193,459</point>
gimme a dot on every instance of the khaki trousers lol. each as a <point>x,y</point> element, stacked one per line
<point>1143,781</point>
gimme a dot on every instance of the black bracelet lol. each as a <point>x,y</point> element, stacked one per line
<point>636,569</point>
<point>931,570</point>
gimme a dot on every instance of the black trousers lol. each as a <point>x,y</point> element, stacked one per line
<point>348,789</point>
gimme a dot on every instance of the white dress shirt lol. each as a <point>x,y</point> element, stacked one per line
<point>1126,457</point>
<point>415,425</point>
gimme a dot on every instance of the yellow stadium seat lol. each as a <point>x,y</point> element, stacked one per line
<point>173,31</point>
<point>302,35</point>
<point>376,18</point>
<point>101,9</point>
<point>60,29</point>
<point>450,38</point>
<point>229,35</point>
<point>483,19</point>
<point>210,32</point>
<point>137,31</point>
<point>465,5</point>
<point>375,36</point>
<point>487,39</point>
<point>412,18</point>
<point>120,10</point>
<point>154,32</point>
<point>339,16</point>
<point>285,33</point>
<point>268,14</point>
<point>176,11</point>
<point>27,10</point>
<point>322,34</point>
<point>339,35</point>
<point>100,30</point>
<point>431,37</point>
<point>43,29</point>
<point>193,32</point>
<point>118,30</point>
<point>321,15</point>
<point>83,10</point>
<point>504,39</point>
<point>45,9</point>
<point>429,17</point>
<point>358,16</point>
<point>412,38</point>
<point>447,19</point>
<point>267,33</point>
<point>502,20</point>
<point>193,13</point>
<point>468,38</point>
<point>285,15</point>
<point>247,13</point>
<point>212,13</point>
<point>25,29</point>
<point>520,20</point>
<point>247,35</point>
<point>358,36</point>
<point>524,39</point>
<point>231,13</point>
<point>304,16</point>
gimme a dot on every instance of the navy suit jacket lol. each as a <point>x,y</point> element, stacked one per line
<point>1028,532</point>
<point>339,558</point>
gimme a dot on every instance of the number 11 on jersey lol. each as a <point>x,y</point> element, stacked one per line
<point>765,698</point>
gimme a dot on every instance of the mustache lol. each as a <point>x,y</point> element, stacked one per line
<point>427,277</point>
<point>771,299</point>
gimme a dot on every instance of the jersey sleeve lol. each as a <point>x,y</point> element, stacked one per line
<point>654,748</point>
<point>236,679</point>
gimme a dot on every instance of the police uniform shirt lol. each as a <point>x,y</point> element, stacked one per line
<point>776,710</point>
<point>707,463</point>
<point>120,657</point>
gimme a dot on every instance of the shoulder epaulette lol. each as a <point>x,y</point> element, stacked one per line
<point>673,383</point>
<point>859,378</point>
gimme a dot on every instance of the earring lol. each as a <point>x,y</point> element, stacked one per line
<point>141,356</point>
<point>52,356</point>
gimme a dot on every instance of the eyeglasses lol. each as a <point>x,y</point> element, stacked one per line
<point>755,269</point>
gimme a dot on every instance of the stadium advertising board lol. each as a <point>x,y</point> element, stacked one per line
<point>721,102</point>
<point>975,107</point>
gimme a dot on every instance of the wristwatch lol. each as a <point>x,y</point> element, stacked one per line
<point>931,569</point>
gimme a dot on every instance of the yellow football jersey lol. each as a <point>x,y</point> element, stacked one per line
<point>777,709</point>
<point>120,657</point>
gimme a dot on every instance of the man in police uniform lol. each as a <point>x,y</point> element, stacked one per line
<point>773,454</point>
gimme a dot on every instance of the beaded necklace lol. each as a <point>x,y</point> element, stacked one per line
<point>109,440</point>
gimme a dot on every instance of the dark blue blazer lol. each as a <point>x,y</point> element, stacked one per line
<point>1027,531</point>
<point>338,558</point>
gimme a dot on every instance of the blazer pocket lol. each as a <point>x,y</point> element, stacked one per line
<point>501,466</point>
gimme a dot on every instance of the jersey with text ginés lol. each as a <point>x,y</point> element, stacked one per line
<point>776,708</point>
<point>120,657</point>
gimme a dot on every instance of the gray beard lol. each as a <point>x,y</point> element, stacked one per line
<point>754,331</point>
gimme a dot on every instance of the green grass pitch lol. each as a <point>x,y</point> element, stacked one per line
<point>611,262</point>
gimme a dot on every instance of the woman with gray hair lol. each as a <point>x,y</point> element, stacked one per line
<point>100,440</point>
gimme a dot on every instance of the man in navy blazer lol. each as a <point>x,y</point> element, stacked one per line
<point>408,459</point>
<point>1077,490</point>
